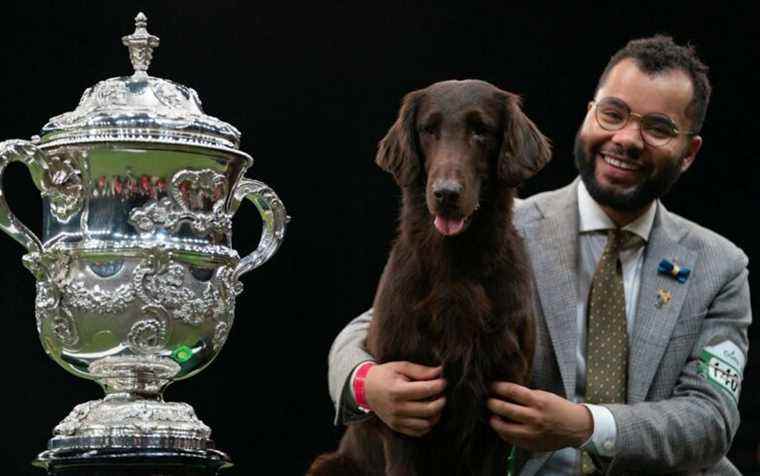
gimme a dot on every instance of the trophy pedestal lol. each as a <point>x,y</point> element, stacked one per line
<point>133,462</point>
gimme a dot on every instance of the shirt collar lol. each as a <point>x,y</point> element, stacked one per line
<point>593,218</point>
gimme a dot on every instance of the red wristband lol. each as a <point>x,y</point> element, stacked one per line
<point>359,376</point>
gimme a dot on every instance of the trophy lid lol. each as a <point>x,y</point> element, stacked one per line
<point>140,108</point>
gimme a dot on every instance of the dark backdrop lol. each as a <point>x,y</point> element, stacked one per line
<point>313,89</point>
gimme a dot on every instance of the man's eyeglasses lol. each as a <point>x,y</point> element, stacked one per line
<point>657,130</point>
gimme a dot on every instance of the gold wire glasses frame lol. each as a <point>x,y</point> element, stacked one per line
<point>656,130</point>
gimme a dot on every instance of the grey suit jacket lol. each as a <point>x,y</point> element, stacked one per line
<point>676,420</point>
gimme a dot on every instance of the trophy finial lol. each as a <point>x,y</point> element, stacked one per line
<point>140,44</point>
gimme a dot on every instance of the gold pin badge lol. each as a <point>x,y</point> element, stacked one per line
<point>663,297</point>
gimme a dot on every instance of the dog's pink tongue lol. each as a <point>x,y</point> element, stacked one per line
<point>448,226</point>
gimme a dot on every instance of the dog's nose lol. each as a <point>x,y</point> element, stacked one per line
<point>447,191</point>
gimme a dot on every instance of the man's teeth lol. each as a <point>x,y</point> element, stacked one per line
<point>620,164</point>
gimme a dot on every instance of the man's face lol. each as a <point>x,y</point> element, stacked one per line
<point>620,170</point>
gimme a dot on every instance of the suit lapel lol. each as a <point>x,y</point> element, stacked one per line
<point>553,246</point>
<point>655,318</point>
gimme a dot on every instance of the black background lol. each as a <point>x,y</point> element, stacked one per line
<point>313,88</point>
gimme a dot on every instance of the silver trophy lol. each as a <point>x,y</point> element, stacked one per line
<point>136,276</point>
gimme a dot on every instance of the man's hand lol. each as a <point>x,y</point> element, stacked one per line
<point>536,420</point>
<point>406,396</point>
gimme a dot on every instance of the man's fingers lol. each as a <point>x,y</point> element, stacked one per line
<point>421,390</point>
<point>513,392</point>
<point>511,411</point>
<point>417,371</point>
<point>426,409</point>
<point>509,432</point>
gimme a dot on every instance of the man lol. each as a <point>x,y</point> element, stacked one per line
<point>642,315</point>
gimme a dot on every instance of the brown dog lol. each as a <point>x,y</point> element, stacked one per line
<point>457,289</point>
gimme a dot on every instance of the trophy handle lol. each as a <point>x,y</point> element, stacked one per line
<point>23,151</point>
<point>273,215</point>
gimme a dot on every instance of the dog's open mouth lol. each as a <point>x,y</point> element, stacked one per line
<point>450,226</point>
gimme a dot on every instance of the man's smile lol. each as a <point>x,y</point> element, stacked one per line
<point>620,163</point>
<point>616,169</point>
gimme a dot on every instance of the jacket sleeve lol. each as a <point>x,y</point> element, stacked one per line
<point>694,428</point>
<point>347,351</point>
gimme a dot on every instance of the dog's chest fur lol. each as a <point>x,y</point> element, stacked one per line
<point>441,302</point>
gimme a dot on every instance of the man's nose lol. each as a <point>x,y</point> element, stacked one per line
<point>629,137</point>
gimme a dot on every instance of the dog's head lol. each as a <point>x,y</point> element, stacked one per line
<point>455,138</point>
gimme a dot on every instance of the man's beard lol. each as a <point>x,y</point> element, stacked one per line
<point>635,198</point>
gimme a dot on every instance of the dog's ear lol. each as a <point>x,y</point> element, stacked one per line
<point>524,149</point>
<point>397,152</point>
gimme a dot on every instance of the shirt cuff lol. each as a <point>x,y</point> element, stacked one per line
<point>602,440</point>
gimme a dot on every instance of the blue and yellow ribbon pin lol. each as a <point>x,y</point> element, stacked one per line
<point>680,273</point>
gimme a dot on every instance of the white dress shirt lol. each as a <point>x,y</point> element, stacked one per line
<point>593,226</point>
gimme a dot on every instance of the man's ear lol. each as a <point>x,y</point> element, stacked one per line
<point>397,152</point>
<point>524,149</point>
<point>695,143</point>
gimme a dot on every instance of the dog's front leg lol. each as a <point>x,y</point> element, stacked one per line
<point>401,454</point>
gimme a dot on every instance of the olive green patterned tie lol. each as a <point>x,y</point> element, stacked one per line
<point>606,333</point>
<point>607,337</point>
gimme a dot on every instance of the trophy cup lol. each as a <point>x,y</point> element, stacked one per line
<point>136,276</point>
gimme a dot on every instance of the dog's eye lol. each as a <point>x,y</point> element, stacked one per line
<point>479,129</point>
<point>428,129</point>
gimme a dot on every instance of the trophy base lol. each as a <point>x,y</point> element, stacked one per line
<point>130,434</point>
<point>126,421</point>
<point>132,462</point>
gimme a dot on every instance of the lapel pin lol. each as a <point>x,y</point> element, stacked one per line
<point>663,297</point>
<point>679,273</point>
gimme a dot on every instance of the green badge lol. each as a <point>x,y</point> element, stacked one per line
<point>182,354</point>
<point>722,366</point>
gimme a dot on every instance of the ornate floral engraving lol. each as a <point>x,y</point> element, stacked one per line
<point>168,290</point>
<point>230,285</point>
<point>73,420</point>
<point>192,194</point>
<point>165,214</point>
<point>221,333</point>
<point>191,189</point>
<point>84,297</point>
<point>230,289</point>
<point>33,262</point>
<point>47,297</point>
<point>111,93</point>
<point>85,97</point>
<point>54,271</point>
<point>63,327</point>
<point>46,303</point>
<point>147,336</point>
<point>63,185</point>
<point>160,281</point>
<point>133,418</point>
<point>167,93</point>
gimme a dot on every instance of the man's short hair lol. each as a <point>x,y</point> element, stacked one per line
<point>660,54</point>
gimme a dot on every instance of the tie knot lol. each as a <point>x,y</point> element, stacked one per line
<point>616,238</point>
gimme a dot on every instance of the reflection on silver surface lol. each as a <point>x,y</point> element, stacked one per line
<point>136,276</point>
